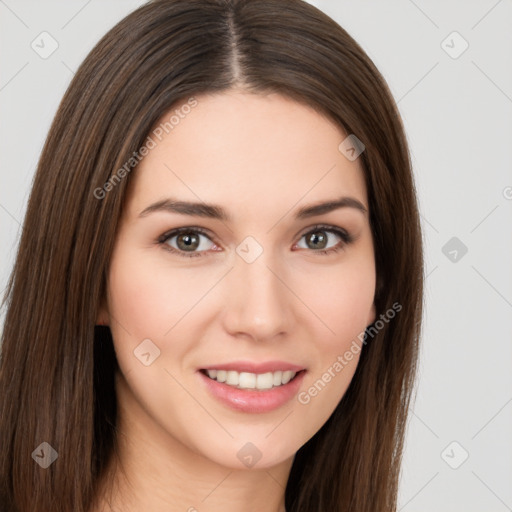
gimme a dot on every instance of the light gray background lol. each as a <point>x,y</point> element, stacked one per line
<point>458,117</point>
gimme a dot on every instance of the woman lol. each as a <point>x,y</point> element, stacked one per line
<point>217,297</point>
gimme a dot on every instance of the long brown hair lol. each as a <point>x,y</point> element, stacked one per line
<point>57,368</point>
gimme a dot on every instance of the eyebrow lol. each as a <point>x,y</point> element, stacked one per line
<point>217,212</point>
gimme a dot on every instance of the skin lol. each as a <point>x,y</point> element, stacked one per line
<point>178,445</point>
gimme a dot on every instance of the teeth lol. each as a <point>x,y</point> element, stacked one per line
<point>264,380</point>
<point>245,380</point>
<point>287,377</point>
<point>232,378</point>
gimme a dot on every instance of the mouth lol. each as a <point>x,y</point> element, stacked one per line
<point>253,387</point>
<point>252,381</point>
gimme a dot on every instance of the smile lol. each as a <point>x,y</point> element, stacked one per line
<point>261,390</point>
<point>246,380</point>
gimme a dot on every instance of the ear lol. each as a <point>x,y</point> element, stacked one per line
<point>103,317</point>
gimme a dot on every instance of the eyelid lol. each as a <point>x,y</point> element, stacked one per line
<point>325,227</point>
<point>185,229</point>
<point>346,238</point>
<point>162,240</point>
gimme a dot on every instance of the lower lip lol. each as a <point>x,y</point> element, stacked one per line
<point>253,401</point>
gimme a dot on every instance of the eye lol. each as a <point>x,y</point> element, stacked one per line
<point>325,239</point>
<point>187,242</point>
<point>193,241</point>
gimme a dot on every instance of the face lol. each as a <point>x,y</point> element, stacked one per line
<point>250,281</point>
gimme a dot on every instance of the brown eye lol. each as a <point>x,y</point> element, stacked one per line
<point>325,239</point>
<point>316,240</point>
<point>186,242</point>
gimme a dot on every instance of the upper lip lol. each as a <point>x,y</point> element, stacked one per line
<point>253,367</point>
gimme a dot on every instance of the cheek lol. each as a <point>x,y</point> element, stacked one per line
<point>342,299</point>
<point>343,302</point>
<point>144,298</point>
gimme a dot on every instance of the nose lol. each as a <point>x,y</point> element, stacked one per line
<point>258,303</point>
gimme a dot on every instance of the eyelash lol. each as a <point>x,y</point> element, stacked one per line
<point>346,239</point>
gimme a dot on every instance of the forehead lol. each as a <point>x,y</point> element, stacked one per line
<point>246,151</point>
